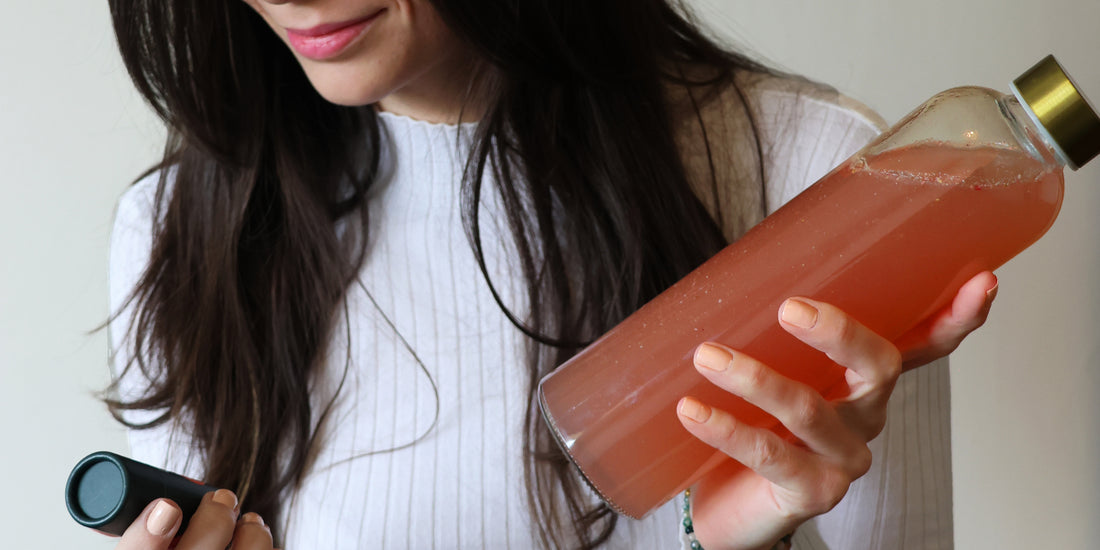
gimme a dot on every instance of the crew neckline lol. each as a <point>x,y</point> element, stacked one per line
<point>410,121</point>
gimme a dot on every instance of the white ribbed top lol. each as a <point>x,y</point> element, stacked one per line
<point>461,485</point>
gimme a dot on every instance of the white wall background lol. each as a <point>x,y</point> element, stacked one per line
<point>1026,415</point>
<point>72,135</point>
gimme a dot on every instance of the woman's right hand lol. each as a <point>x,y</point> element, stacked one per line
<point>215,526</point>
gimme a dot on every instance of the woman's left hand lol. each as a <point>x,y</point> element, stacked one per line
<point>785,483</point>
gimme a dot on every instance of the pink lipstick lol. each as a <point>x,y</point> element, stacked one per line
<point>328,40</point>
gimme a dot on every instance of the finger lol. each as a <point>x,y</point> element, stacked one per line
<point>154,528</point>
<point>760,450</point>
<point>212,526</point>
<point>802,482</point>
<point>941,333</point>
<point>800,408</point>
<point>874,360</point>
<point>251,534</point>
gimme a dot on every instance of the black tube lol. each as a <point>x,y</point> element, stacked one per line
<point>107,492</point>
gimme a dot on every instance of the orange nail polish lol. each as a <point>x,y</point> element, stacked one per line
<point>798,313</point>
<point>712,357</point>
<point>694,410</point>
<point>162,519</point>
<point>226,498</point>
<point>253,517</point>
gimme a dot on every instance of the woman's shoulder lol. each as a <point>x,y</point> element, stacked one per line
<point>784,103</point>
<point>751,141</point>
<point>136,214</point>
<point>772,103</point>
<point>765,137</point>
<point>804,129</point>
<point>133,234</point>
<point>138,202</point>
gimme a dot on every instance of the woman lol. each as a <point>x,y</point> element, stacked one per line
<point>301,319</point>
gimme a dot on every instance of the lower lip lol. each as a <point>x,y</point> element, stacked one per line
<point>328,45</point>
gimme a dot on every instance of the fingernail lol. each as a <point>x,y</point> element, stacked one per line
<point>992,293</point>
<point>253,517</point>
<point>798,313</point>
<point>694,410</point>
<point>226,498</point>
<point>162,519</point>
<point>712,357</point>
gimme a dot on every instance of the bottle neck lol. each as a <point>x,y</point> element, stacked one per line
<point>1031,133</point>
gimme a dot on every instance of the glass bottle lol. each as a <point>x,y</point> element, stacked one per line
<point>959,186</point>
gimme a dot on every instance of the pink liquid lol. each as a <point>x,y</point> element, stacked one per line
<point>889,239</point>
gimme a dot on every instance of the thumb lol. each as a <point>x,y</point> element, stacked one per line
<point>941,333</point>
<point>154,528</point>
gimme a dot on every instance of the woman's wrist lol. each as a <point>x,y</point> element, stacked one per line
<point>688,525</point>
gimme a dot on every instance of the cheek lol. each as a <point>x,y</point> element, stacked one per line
<point>423,38</point>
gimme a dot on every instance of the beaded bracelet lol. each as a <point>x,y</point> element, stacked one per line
<point>689,529</point>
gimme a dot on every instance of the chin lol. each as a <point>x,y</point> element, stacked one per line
<point>348,97</point>
<point>347,88</point>
<point>342,97</point>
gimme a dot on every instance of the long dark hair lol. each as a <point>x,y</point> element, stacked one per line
<point>248,271</point>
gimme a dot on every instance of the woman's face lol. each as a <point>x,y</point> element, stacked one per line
<point>397,53</point>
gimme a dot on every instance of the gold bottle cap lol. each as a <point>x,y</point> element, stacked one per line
<point>1061,109</point>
